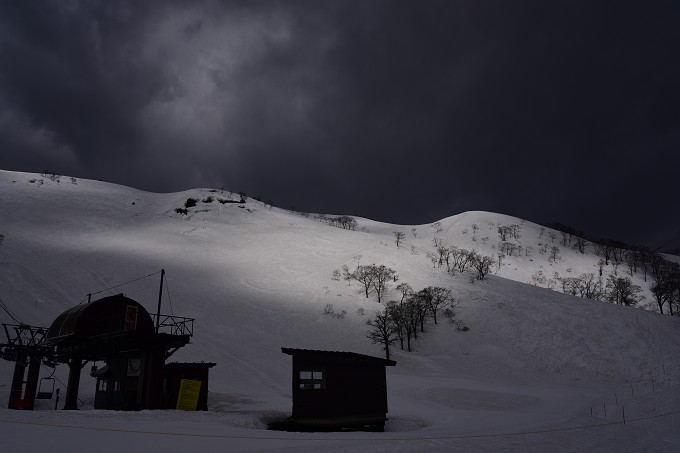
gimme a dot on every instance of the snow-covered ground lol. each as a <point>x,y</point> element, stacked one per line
<point>536,371</point>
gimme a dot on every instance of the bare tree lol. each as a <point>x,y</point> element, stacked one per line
<point>656,264</point>
<point>619,255</point>
<point>382,275</point>
<point>436,298</point>
<point>395,312</point>
<point>665,286</point>
<point>418,312</point>
<point>438,228</point>
<point>580,244</point>
<point>410,310</point>
<point>443,253</point>
<point>554,253</point>
<point>382,332</point>
<point>503,232</point>
<point>644,258</point>
<point>605,251</point>
<point>590,287</point>
<point>620,290</point>
<point>405,290</point>
<point>346,274</point>
<point>570,285</point>
<point>481,263</point>
<point>461,259</point>
<point>508,248</point>
<point>565,236</point>
<point>365,276</point>
<point>631,260</point>
<point>398,237</point>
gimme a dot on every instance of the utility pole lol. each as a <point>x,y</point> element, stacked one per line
<point>160,297</point>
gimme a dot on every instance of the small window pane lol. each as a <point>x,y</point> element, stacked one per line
<point>317,386</point>
<point>317,375</point>
<point>305,375</point>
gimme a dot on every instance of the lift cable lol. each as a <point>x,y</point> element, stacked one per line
<point>123,284</point>
<point>167,291</point>
<point>6,310</point>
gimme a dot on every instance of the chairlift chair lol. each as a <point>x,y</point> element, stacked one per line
<point>46,388</point>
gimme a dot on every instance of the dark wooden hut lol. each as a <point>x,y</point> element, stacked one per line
<point>338,390</point>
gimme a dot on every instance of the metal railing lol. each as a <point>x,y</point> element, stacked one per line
<point>23,339</point>
<point>24,335</point>
<point>174,325</point>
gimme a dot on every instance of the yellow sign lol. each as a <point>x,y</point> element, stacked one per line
<point>187,400</point>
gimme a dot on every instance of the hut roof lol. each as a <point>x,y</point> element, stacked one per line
<point>336,356</point>
<point>100,317</point>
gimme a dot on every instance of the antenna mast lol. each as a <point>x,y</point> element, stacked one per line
<point>160,297</point>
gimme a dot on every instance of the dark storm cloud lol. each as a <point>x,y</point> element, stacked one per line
<point>396,110</point>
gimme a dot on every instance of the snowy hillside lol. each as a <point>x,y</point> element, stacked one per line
<point>257,278</point>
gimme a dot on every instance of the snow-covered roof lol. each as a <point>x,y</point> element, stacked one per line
<point>336,356</point>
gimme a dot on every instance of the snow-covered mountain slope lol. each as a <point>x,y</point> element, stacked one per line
<point>258,278</point>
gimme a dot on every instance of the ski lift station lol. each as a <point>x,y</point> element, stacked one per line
<point>331,390</point>
<point>132,343</point>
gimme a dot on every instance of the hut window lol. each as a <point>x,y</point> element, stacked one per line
<point>312,380</point>
<point>102,385</point>
<point>131,317</point>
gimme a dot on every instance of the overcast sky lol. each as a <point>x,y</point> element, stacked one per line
<point>400,111</point>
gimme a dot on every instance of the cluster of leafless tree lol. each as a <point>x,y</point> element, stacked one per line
<point>344,221</point>
<point>506,231</point>
<point>373,279</point>
<point>665,274</point>
<point>635,259</point>
<point>401,321</point>
<point>459,260</point>
<point>666,284</point>
<point>617,290</point>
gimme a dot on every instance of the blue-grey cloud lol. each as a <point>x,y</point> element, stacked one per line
<point>401,111</point>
